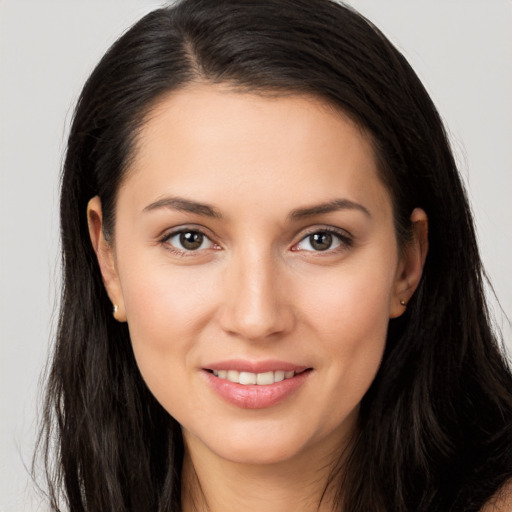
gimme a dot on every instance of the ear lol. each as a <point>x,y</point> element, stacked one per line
<point>411,264</point>
<point>106,258</point>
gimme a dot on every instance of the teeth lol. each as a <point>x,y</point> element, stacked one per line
<point>279,376</point>
<point>246,378</point>
<point>233,376</point>
<point>265,378</point>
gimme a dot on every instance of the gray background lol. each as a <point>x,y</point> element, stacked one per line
<point>462,50</point>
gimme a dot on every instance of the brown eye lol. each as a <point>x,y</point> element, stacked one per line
<point>320,241</point>
<point>188,241</point>
<point>191,240</point>
<point>323,240</point>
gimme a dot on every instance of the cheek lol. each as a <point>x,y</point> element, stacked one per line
<point>350,318</point>
<point>350,302</point>
<point>163,298</point>
<point>167,309</point>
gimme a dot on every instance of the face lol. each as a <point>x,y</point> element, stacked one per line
<point>256,263</point>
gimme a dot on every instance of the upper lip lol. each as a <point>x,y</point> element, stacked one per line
<point>256,366</point>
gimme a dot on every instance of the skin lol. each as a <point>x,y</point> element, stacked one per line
<point>257,288</point>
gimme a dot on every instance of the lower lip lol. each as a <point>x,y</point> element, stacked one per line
<point>254,396</point>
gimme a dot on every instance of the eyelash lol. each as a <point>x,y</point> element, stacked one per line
<point>184,252</point>
<point>344,239</point>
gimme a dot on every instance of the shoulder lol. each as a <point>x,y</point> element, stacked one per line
<point>501,501</point>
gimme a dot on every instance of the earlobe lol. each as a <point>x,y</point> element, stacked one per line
<point>106,260</point>
<point>411,264</point>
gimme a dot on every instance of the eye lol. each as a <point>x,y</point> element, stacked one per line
<point>322,240</point>
<point>188,240</point>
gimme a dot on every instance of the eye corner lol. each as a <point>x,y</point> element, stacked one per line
<point>337,240</point>
<point>186,241</point>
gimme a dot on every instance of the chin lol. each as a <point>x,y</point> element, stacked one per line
<point>251,444</point>
<point>259,453</point>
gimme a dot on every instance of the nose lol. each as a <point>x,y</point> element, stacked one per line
<point>256,304</point>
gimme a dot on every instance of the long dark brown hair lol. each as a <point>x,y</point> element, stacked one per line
<point>435,428</point>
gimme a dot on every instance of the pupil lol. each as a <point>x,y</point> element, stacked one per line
<point>321,241</point>
<point>191,240</point>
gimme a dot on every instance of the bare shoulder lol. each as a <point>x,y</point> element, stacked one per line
<point>501,501</point>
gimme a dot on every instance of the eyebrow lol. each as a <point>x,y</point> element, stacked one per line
<point>184,205</point>
<point>187,205</point>
<point>329,207</point>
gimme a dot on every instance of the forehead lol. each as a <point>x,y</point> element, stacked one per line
<point>207,139</point>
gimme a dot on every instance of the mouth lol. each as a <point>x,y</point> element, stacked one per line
<point>257,379</point>
<point>262,388</point>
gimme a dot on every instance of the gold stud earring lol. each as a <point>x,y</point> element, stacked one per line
<point>115,310</point>
<point>403,303</point>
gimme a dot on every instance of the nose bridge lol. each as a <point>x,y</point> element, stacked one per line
<point>254,306</point>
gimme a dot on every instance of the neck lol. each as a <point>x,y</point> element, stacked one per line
<point>213,484</point>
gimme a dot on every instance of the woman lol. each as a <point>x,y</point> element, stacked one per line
<point>264,197</point>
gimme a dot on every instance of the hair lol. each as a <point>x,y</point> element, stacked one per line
<point>435,427</point>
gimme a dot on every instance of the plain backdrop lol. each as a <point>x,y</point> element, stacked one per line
<point>461,49</point>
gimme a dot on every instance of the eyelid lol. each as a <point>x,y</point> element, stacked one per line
<point>170,233</point>
<point>345,237</point>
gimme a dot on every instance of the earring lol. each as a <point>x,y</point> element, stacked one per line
<point>403,303</point>
<point>118,314</point>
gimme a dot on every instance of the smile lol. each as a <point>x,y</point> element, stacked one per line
<point>259,379</point>
<point>260,388</point>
